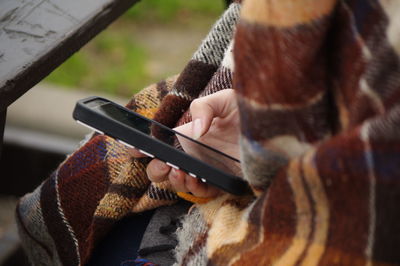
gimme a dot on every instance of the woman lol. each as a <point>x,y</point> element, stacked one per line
<point>316,85</point>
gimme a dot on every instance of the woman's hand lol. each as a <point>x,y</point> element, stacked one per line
<point>215,122</point>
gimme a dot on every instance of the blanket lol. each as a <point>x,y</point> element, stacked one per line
<point>318,91</point>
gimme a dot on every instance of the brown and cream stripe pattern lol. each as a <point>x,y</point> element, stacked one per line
<point>318,91</point>
<point>318,85</point>
<point>101,183</point>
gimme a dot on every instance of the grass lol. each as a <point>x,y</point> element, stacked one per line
<point>112,63</point>
<point>115,61</point>
<point>167,11</point>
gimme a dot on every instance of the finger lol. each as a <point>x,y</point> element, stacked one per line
<point>177,179</point>
<point>136,153</point>
<point>200,189</point>
<point>157,171</point>
<point>204,109</point>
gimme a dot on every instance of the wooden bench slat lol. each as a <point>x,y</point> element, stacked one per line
<point>36,36</point>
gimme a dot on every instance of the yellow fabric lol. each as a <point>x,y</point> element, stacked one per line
<point>194,199</point>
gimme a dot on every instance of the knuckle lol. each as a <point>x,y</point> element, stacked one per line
<point>195,104</point>
<point>149,173</point>
<point>194,186</point>
<point>154,173</point>
<point>177,183</point>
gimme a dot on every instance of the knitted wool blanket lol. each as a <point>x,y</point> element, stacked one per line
<point>318,85</point>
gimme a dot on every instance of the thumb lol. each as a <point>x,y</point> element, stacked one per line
<point>205,109</point>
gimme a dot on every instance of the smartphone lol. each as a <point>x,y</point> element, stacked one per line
<point>134,130</point>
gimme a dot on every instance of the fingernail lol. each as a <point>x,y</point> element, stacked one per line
<point>174,173</point>
<point>162,166</point>
<point>197,128</point>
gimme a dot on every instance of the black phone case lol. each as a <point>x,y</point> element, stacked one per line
<point>155,148</point>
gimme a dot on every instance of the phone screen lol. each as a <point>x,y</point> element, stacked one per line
<point>199,150</point>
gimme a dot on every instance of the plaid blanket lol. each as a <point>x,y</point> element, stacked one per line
<point>318,84</point>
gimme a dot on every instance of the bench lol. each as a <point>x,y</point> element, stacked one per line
<point>36,36</point>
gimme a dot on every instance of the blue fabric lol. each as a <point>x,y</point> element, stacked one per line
<point>121,244</point>
<point>138,262</point>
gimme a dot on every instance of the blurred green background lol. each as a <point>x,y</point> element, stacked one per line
<point>151,41</point>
